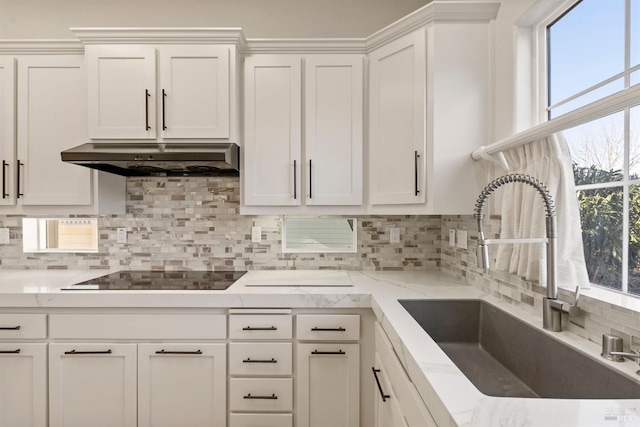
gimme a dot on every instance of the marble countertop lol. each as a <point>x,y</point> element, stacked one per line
<point>452,399</point>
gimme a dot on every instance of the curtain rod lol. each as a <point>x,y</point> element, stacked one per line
<point>595,110</point>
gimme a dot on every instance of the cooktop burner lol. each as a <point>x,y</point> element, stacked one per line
<point>160,280</point>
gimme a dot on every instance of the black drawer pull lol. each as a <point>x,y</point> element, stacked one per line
<point>10,351</point>
<point>375,374</point>
<point>328,352</point>
<point>340,329</point>
<point>5,165</point>
<point>178,352</point>
<point>251,328</point>
<point>9,328</point>
<point>88,352</point>
<point>272,397</point>
<point>249,360</point>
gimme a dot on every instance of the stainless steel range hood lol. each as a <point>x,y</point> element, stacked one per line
<point>154,159</point>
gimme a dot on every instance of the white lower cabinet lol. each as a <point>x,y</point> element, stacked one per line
<point>92,385</point>
<point>402,406</point>
<point>328,385</point>
<point>182,385</point>
<point>23,385</point>
<point>261,420</point>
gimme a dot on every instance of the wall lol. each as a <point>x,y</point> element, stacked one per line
<point>193,223</point>
<point>29,19</point>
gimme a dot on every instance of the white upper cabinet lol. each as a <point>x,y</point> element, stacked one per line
<point>121,91</point>
<point>333,123</point>
<point>194,92</point>
<point>51,117</point>
<point>397,121</point>
<point>159,87</point>
<point>7,130</point>
<point>331,173</point>
<point>272,146</point>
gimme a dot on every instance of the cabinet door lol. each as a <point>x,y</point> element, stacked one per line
<point>272,131</point>
<point>333,120</point>
<point>387,408</point>
<point>194,92</point>
<point>92,385</point>
<point>328,385</point>
<point>397,122</point>
<point>51,118</point>
<point>23,384</point>
<point>7,130</point>
<point>121,88</point>
<point>182,385</point>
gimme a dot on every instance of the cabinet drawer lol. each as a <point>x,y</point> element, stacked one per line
<point>17,326</point>
<point>260,327</point>
<point>260,358</point>
<point>328,327</point>
<point>261,394</point>
<point>138,326</point>
<point>261,420</point>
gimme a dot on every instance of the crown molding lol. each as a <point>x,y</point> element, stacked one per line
<point>168,35</point>
<point>302,46</point>
<point>40,47</point>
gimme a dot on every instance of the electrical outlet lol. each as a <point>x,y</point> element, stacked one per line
<point>461,239</point>
<point>452,237</point>
<point>4,236</point>
<point>256,234</point>
<point>394,235</point>
<point>121,235</point>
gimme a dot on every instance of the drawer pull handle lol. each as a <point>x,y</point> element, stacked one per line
<point>88,352</point>
<point>178,352</point>
<point>272,397</point>
<point>251,328</point>
<point>375,374</point>
<point>340,329</point>
<point>248,360</point>
<point>10,351</point>
<point>328,352</point>
<point>9,328</point>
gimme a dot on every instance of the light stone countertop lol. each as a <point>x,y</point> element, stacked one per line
<point>453,400</point>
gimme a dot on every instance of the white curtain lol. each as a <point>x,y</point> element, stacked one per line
<point>523,214</point>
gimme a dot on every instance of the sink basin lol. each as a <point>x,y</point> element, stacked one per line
<point>506,357</point>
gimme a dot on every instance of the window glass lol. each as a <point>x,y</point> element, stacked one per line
<point>635,32</point>
<point>319,235</point>
<point>634,239</point>
<point>597,150</point>
<point>634,143</point>
<point>601,212</point>
<point>586,46</point>
<point>591,96</point>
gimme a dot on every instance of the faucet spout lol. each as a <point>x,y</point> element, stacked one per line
<point>551,315</point>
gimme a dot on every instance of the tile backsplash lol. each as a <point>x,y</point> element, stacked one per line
<point>194,223</point>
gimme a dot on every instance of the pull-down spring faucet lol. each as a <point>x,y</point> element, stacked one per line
<point>552,308</point>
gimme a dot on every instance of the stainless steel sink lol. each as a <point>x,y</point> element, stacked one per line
<point>506,357</point>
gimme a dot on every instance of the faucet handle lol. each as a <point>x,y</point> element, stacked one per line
<point>577,298</point>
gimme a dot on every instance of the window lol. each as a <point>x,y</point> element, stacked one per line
<point>319,235</point>
<point>593,52</point>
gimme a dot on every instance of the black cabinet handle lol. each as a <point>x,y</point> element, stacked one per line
<point>340,329</point>
<point>147,95</point>
<point>328,352</point>
<point>375,374</point>
<point>164,123</point>
<point>18,193</point>
<point>272,397</point>
<point>178,352</point>
<point>88,352</point>
<point>295,181</point>
<point>10,351</point>
<point>5,165</point>
<point>416,157</point>
<point>251,328</point>
<point>9,328</point>
<point>249,360</point>
<point>310,180</point>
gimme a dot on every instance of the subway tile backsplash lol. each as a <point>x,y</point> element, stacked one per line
<point>194,223</point>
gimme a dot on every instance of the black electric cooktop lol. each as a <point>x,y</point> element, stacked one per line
<point>160,281</point>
